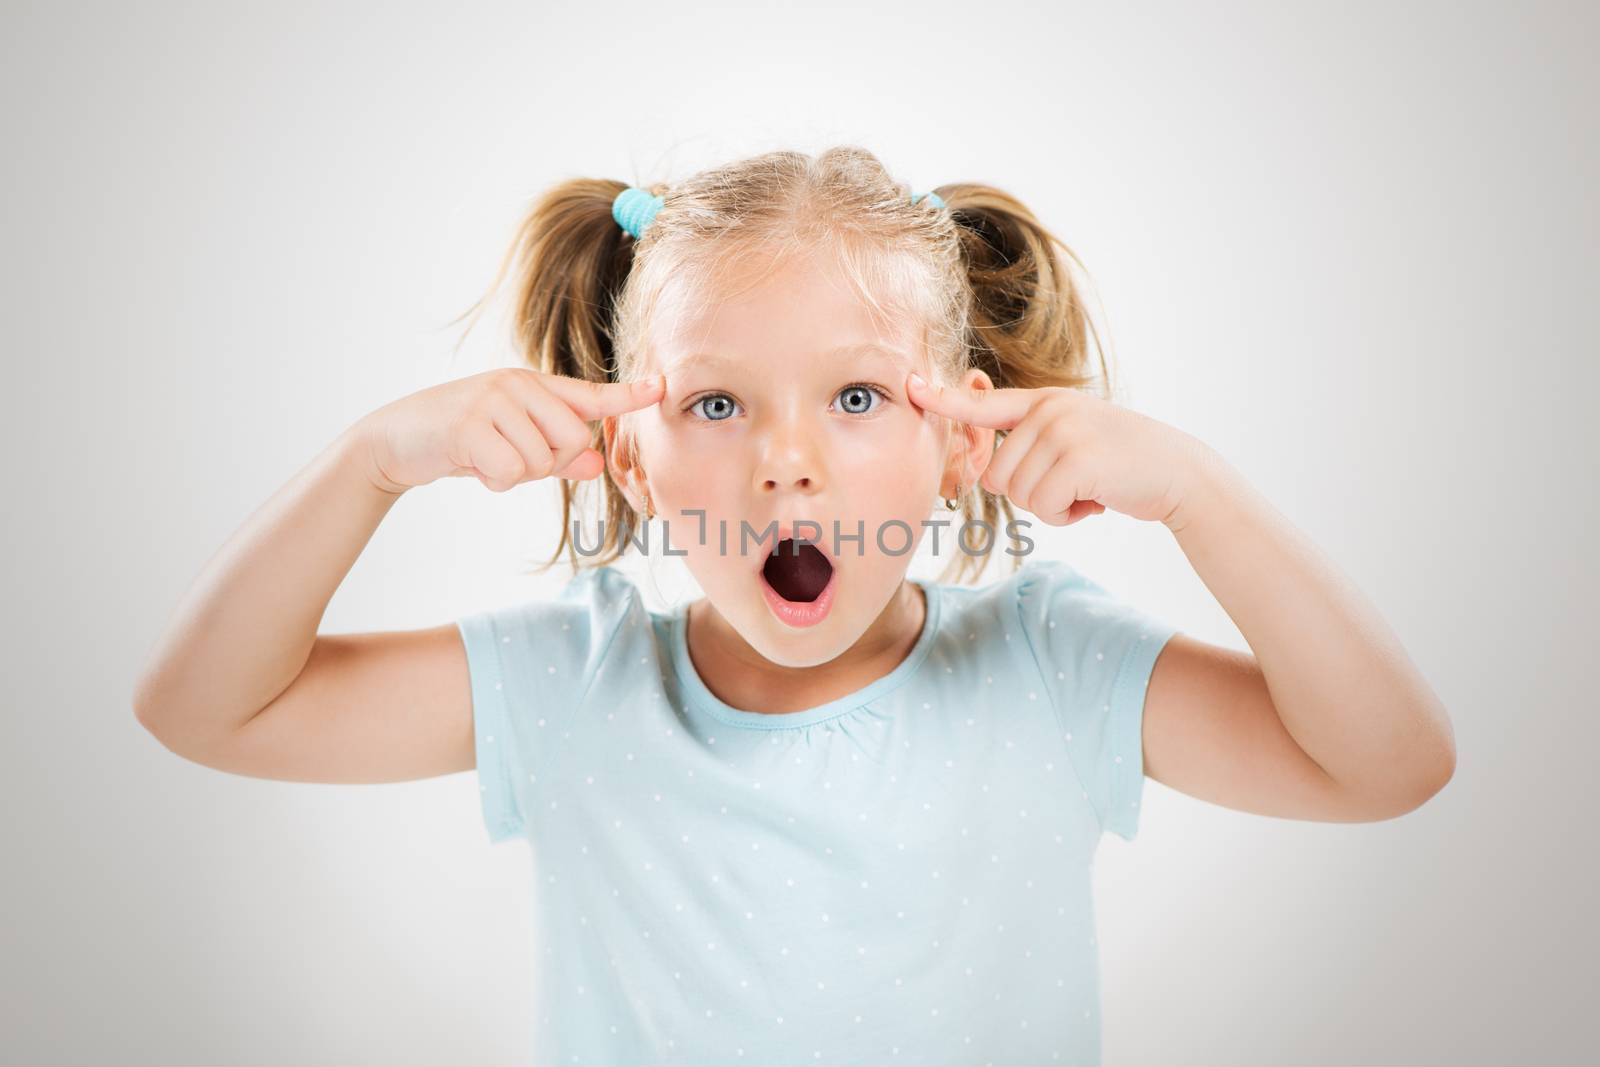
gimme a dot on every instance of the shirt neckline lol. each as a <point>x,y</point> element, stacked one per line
<point>701,695</point>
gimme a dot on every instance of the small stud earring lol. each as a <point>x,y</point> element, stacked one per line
<point>649,508</point>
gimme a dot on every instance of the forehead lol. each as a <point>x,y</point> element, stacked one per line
<point>857,355</point>
<point>803,311</point>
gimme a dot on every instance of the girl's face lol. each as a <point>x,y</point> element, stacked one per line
<point>785,403</point>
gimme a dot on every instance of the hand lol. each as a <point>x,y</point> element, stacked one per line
<point>1069,455</point>
<point>504,427</point>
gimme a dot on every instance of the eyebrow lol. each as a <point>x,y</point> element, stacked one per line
<point>867,348</point>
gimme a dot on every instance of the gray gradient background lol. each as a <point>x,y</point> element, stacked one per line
<point>1353,247</point>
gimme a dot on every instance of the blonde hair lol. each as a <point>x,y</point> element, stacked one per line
<point>995,288</point>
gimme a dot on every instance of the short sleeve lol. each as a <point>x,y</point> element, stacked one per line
<point>1095,652</point>
<point>529,665</point>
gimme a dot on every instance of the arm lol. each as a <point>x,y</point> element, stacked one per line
<point>247,627</point>
<point>243,682</point>
<point>1329,719</point>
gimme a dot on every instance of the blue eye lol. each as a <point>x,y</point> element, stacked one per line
<point>722,403</point>
<point>857,399</point>
<point>854,399</point>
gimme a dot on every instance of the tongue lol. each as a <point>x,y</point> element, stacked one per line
<point>797,576</point>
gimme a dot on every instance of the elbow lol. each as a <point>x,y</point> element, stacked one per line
<point>153,711</point>
<point>158,725</point>
<point>144,703</point>
<point>142,713</point>
<point>1431,784</point>
<point>1440,758</point>
<point>1407,783</point>
<point>1432,771</point>
<point>1441,770</point>
<point>146,717</point>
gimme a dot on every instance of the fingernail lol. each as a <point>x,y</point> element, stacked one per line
<point>918,380</point>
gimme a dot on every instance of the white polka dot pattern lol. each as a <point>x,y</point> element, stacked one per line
<point>1094,653</point>
<point>896,874</point>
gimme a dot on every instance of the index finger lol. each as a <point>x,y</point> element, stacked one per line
<point>596,400</point>
<point>998,409</point>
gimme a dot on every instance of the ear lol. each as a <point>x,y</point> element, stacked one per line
<point>622,462</point>
<point>971,447</point>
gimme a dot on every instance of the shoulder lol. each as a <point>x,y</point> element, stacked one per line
<point>1069,618</point>
<point>1034,583</point>
<point>571,630</point>
<point>990,609</point>
<point>1046,588</point>
<point>1095,651</point>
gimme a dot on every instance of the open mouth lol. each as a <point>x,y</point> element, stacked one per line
<point>797,571</point>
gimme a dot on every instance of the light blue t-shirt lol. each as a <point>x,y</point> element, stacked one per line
<point>899,875</point>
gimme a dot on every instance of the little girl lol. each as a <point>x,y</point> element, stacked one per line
<point>825,813</point>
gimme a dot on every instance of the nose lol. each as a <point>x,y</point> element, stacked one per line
<point>790,458</point>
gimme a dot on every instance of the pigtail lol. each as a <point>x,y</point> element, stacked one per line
<point>1028,324</point>
<point>568,263</point>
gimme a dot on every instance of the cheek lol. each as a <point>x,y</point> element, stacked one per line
<point>892,472</point>
<point>682,465</point>
<point>675,439</point>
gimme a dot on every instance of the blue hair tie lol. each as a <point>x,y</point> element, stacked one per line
<point>635,208</point>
